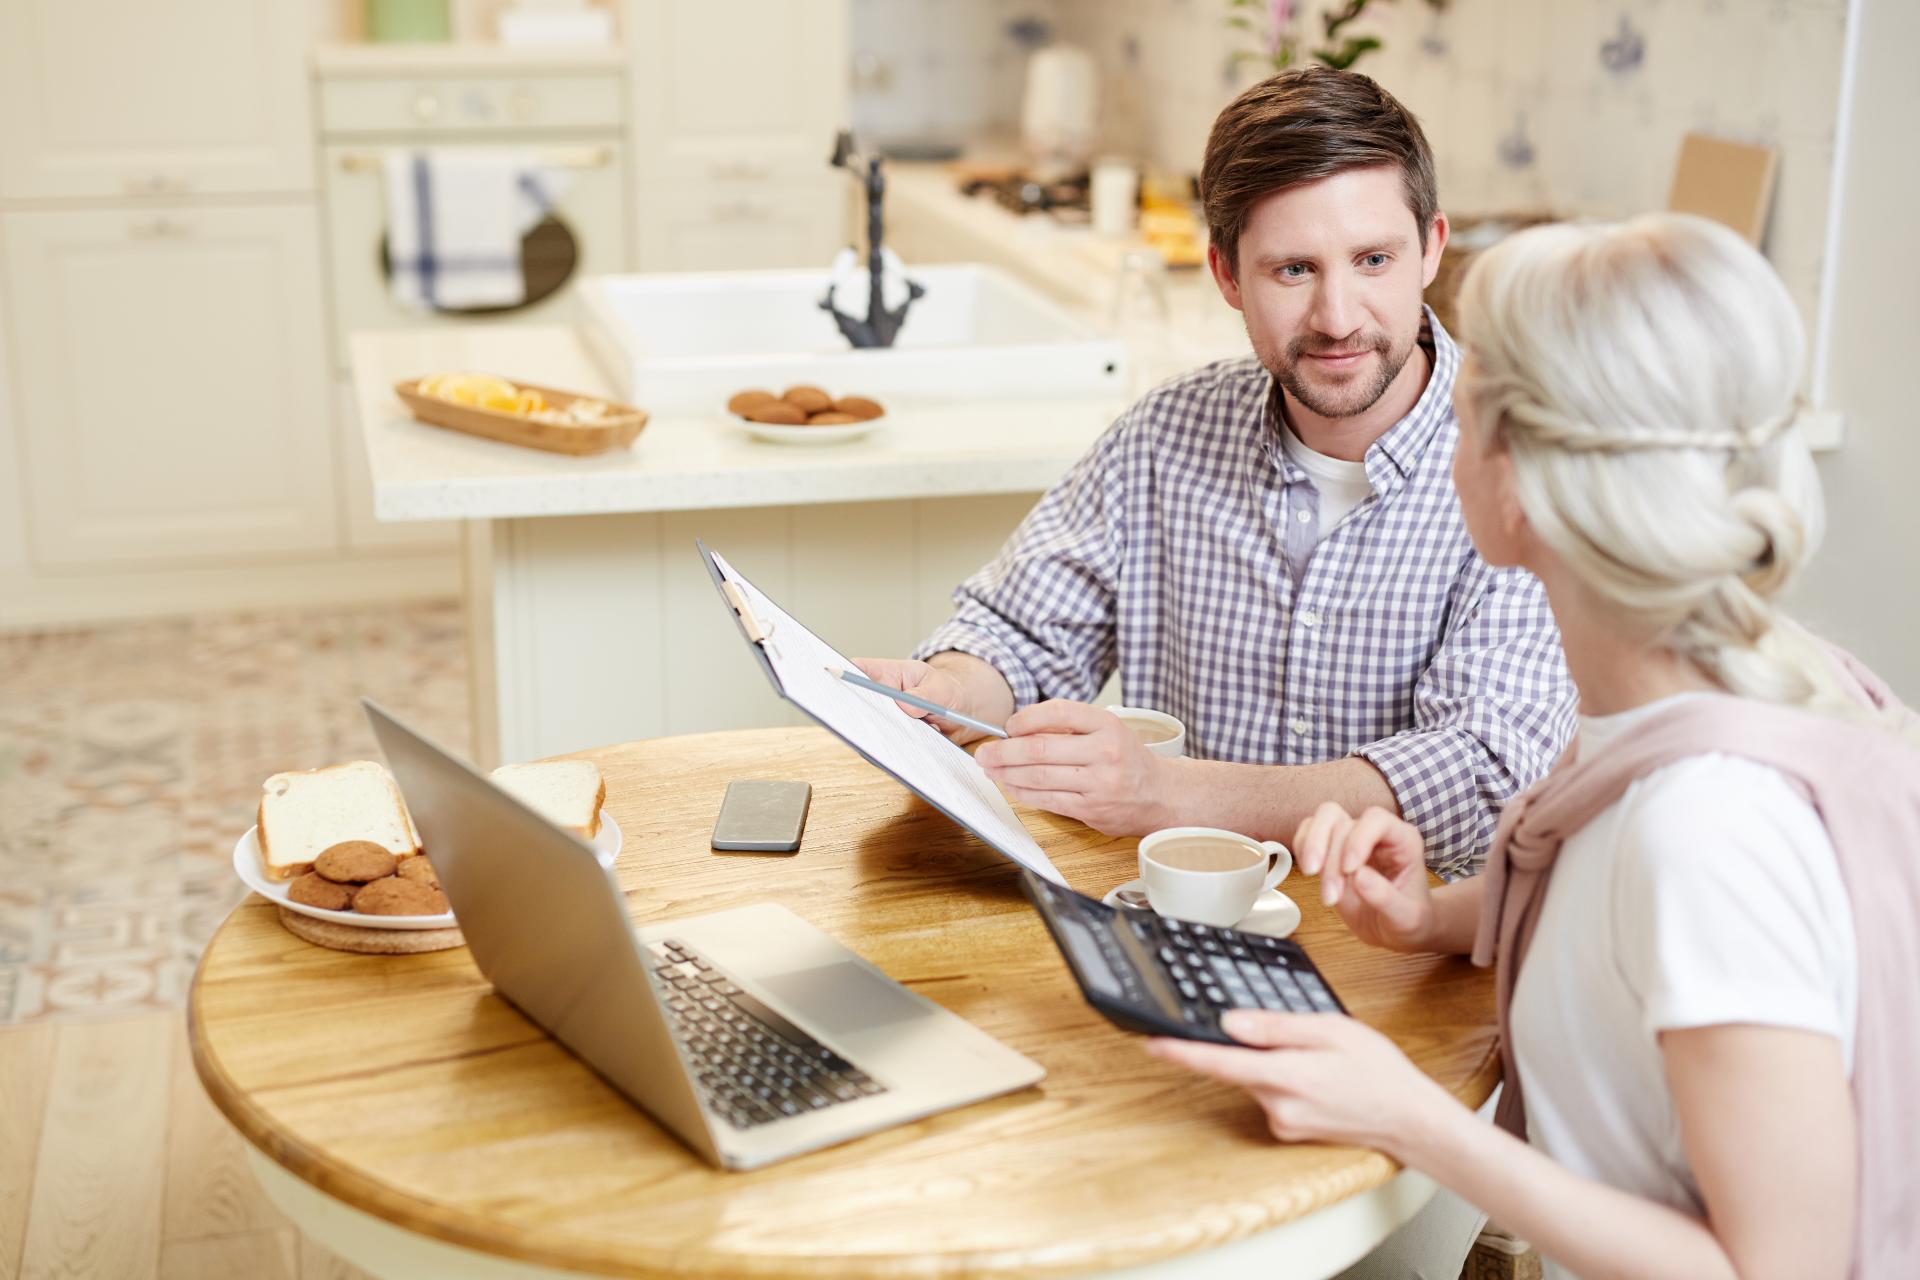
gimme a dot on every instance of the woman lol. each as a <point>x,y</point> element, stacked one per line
<point>1712,1041</point>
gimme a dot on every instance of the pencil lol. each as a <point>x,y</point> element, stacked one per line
<point>914,700</point>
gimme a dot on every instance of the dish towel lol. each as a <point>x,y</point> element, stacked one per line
<point>454,225</point>
<point>850,286</point>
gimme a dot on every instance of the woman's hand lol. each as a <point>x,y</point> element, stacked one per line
<point>1373,871</point>
<point>1320,1077</point>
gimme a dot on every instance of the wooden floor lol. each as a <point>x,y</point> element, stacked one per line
<point>114,1164</point>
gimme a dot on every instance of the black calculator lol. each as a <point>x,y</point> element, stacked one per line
<point>1166,977</point>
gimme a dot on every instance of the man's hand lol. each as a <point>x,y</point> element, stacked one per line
<point>1077,760</point>
<point>957,681</point>
<point>1372,870</point>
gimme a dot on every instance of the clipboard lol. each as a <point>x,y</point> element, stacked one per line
<point>759,633</point>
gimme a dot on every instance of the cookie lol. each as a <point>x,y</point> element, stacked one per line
<point>830,419</point>
<point>778,412</point>
<point>418,870</point>
<point>396,897</point>
<point>315,890</point>
<point>859,406</point>
<point>354,861</point>
<point>748,400</point>
<point>807,399</point>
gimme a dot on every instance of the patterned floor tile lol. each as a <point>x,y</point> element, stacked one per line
<point>131,758</point>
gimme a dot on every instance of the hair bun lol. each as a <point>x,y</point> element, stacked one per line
<point>1782,534</point>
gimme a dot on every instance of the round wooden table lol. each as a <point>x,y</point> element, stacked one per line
<point>411,1120</point>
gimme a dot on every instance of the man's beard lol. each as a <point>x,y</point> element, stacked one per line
<point>1344,401</point>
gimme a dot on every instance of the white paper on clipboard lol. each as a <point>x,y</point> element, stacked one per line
<point>911,750</point>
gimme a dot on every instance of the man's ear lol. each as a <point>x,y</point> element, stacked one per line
<point>1223,276</point>
<point>1436,244</point>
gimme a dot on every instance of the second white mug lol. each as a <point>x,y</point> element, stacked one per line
<point>1208,875</point>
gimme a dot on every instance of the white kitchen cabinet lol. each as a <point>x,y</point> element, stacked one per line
<point>170,370</point>
<point>738,92</point>
<point>735,108</point>
<point>134,98</point>
<point>742,226</point>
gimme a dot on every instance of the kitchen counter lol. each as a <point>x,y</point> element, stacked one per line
<point>591,620</point>
<point>684,463</point>
<point>928,220</point>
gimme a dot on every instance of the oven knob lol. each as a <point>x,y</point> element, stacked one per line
<point>426,106</point>
<point>524,104</point>
<point>477,106</point>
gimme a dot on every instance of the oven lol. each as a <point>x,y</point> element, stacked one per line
<point>568,122</point>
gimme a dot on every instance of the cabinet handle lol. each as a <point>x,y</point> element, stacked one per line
<point>733,169</point>
<point>160,228</point>
<point>741,211</point>
<point>558,158</point>
<point>156,184</point>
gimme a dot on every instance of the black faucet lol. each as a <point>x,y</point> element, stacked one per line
<point>881,325</point>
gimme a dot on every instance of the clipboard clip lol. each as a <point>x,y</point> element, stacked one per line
<point>758,632</point>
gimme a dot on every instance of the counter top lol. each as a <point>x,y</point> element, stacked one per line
<point>684,463</point>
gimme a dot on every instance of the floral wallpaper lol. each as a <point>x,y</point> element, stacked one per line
<point>1573,106</point>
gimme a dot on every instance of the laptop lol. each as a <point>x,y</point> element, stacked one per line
<point>750,1034</point>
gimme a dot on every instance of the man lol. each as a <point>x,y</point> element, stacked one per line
<point>1270,548</point>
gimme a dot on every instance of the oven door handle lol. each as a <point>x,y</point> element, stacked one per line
<point>557,158</point>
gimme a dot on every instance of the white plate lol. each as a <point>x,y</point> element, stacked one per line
<point>1274,914</point>
<point>775,433</point>
<point>247,864</point>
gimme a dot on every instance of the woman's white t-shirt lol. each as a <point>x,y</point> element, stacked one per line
<point>1708,894</point>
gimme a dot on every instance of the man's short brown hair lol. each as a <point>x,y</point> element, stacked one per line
<point>1302,125</point>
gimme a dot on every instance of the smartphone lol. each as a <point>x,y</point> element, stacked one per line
<point>762,817</point>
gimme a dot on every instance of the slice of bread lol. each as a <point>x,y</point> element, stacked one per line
<point>303,814</point>
<point>568,793</point>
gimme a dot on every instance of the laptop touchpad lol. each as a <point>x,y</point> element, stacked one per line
<point>843,998</point>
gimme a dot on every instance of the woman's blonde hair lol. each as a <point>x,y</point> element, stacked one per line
<point>1645,378</point>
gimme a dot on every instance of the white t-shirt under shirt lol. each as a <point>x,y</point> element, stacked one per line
<point>1342,485</point>
<point>1708,894</point>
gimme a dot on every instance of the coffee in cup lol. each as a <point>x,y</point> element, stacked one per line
<point>1159,732</point>
<point>1208,875</point>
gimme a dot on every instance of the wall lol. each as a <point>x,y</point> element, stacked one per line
<point>942,70</point>
<point>1864,588</point>
<point>1575,106</point>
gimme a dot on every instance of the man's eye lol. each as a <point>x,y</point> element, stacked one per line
<point>1294,271</point>
<point>1375,260</point>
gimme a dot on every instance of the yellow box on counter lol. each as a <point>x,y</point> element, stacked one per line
<point>546,418</point>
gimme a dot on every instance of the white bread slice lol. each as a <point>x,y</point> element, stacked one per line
<point>303,814</point>
<point>568,793</point>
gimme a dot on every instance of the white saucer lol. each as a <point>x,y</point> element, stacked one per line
<point>247,864</point>
<point>780,433</point>
<point>1274,914</point>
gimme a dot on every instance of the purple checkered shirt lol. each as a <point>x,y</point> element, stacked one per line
<point>1182,549</point>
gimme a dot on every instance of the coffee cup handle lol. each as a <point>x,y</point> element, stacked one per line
<point>1282,864</point>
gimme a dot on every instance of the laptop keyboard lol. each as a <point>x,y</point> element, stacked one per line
<point>753,1066</point>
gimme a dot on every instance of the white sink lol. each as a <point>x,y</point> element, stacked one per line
<point>685,342</point>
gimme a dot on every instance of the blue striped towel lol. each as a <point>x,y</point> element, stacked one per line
<point>455,219</point>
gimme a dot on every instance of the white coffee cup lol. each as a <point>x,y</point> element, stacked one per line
<point>1159,732</point>
<point>1207,875</point>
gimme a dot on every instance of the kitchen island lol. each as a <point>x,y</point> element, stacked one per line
<point>591,619</point>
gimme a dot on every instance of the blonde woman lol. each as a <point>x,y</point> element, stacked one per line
<point>1706,920</point>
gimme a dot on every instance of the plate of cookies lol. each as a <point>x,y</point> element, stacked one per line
<point>805,414</point>
<point>341,846</point>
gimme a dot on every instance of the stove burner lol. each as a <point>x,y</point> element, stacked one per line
<point>1068,200</point>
